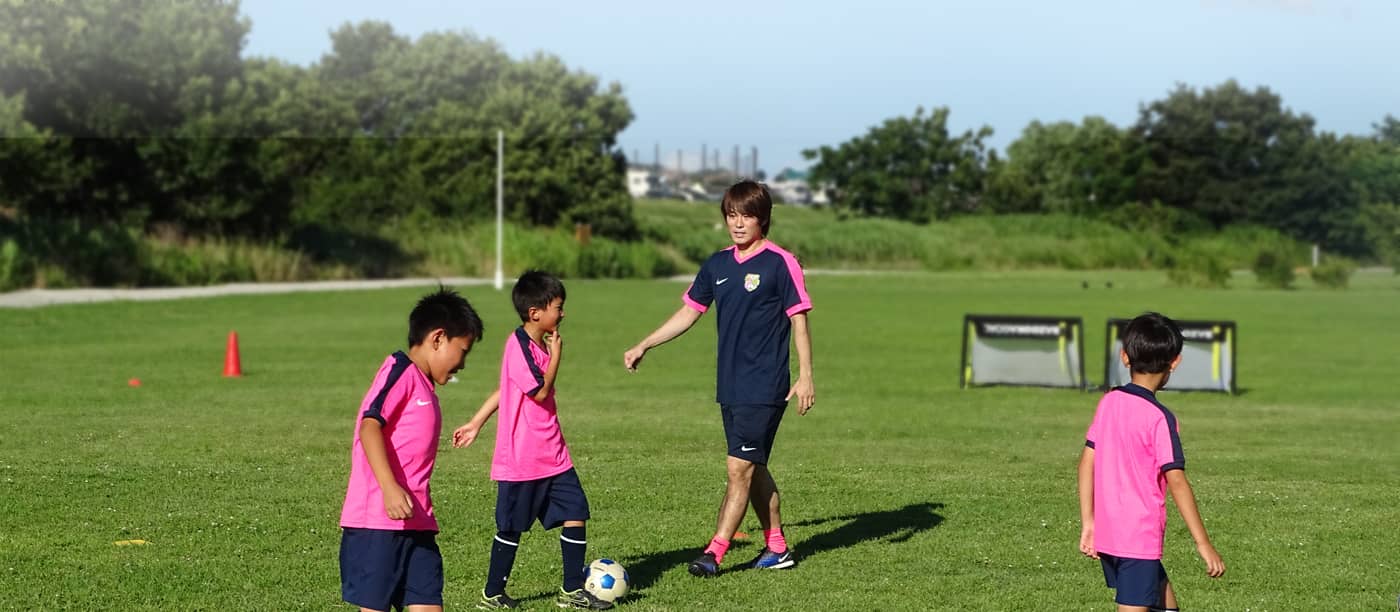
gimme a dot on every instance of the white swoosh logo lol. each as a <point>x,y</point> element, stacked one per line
<point>747,449</point>
<point>423,403</point>
<point>721,281</point>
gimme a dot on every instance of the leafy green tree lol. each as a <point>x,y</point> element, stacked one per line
<point>908,168</point>
<point>1234,155</point>
<point>1388,130</point>
<point>1062,167</point>
<point>110,79</point>
<point>434,105</point>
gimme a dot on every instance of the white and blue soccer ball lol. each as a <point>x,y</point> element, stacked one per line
<point>606,579</point>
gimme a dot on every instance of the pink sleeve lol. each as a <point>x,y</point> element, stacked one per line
<point>1091,436</point>
<point>388,403</point>
<point>521,369</point>
<point>795,298</point>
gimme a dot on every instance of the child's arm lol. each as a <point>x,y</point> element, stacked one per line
<point>805,391</point>
<point>556,355</point>
<point>1086,503</point>
<point>398,504</point>
<point>673,327</point>
<point>1186,504</point>
<point>466,434</point>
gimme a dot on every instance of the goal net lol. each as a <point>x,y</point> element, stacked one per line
<point>1023,350</point>
<point>1207,356</point>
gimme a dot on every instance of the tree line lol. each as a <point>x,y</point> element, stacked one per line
<point>123,117</point>
<point>1196,159</point>
<point>123,120</point>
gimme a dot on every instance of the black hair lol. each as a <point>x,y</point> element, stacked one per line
<point>535,289</point>
<point>443,309</point>
<point>749,198</point>
<point>1151,341</point>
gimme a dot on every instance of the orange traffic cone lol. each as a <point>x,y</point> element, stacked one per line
<point>232,366</point>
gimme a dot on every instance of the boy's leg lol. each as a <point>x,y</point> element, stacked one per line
<point>567,506</point>
<point>503,548</point>
<point>1140,583</point>
<point>515,512</point>
<point>372,566</point>
<point>1168,597</point>
<point>422,588</point>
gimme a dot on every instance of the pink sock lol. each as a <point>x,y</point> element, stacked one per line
<point>718,547</point>
<point>775,540</point>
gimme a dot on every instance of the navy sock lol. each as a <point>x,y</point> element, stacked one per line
<point>503,549</point>
<point>573,544</point>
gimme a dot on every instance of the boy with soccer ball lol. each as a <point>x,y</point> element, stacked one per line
<point>535,477</point>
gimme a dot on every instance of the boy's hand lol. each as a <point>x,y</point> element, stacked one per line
<point>1215,566</point>
<point>1086,542</point>
<point>806,394</point>
<point>465,435</point>
<point>555,344</point>
<point>398,504</point>
<point>633,357</point>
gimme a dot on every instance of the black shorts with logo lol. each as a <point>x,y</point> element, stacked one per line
<point>750,429</point>
<point>551,501</point>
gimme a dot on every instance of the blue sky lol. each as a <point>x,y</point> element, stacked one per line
<point>787,75</point>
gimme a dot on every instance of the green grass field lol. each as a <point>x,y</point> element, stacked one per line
<point>901,491</point>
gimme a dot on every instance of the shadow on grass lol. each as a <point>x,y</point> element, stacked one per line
<point>888,526</point>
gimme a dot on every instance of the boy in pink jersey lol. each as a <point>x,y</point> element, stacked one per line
<point>388,551</point>
<point>1132,455</point>
<point>535,478</point>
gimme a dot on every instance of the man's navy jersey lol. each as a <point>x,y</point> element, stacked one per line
<point>755,295</point>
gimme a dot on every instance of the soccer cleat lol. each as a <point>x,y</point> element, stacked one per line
<point>496,602</point>
<point>704,566</point>
<point>579,598</point>
<point>768,559</point>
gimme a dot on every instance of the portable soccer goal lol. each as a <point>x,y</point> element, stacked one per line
<point>1207,356</point>
<point>1023,350</point>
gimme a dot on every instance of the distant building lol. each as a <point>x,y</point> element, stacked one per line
<point>643,182</point>
<point>792,187</point>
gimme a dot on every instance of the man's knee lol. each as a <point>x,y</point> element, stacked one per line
<point>740,470</point>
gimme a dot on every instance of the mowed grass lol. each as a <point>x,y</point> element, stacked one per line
<point>901,491</point>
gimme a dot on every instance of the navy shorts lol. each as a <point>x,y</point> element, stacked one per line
<point>1140,582</point>
<point>750,429</point>
<point>380,568</point>
<point>550,500</point>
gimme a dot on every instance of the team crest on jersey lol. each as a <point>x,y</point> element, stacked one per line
<point>750,282</point>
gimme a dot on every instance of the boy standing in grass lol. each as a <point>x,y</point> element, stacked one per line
<point>388,550</point>
<point>535,477</point>
<point>1132,455</point>
<point>762,298</point>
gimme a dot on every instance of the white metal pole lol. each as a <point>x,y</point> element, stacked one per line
<point>500,206</point>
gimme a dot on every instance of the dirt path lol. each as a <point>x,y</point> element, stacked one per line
<point>33,298</point>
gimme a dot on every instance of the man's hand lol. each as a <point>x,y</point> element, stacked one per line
<point>465,435</point>
<point>633,358</point>
<point>398,504</point>
<point>1215,566</point>
<point>806,394</point>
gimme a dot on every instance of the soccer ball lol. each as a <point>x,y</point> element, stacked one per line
<point>606,579</point>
